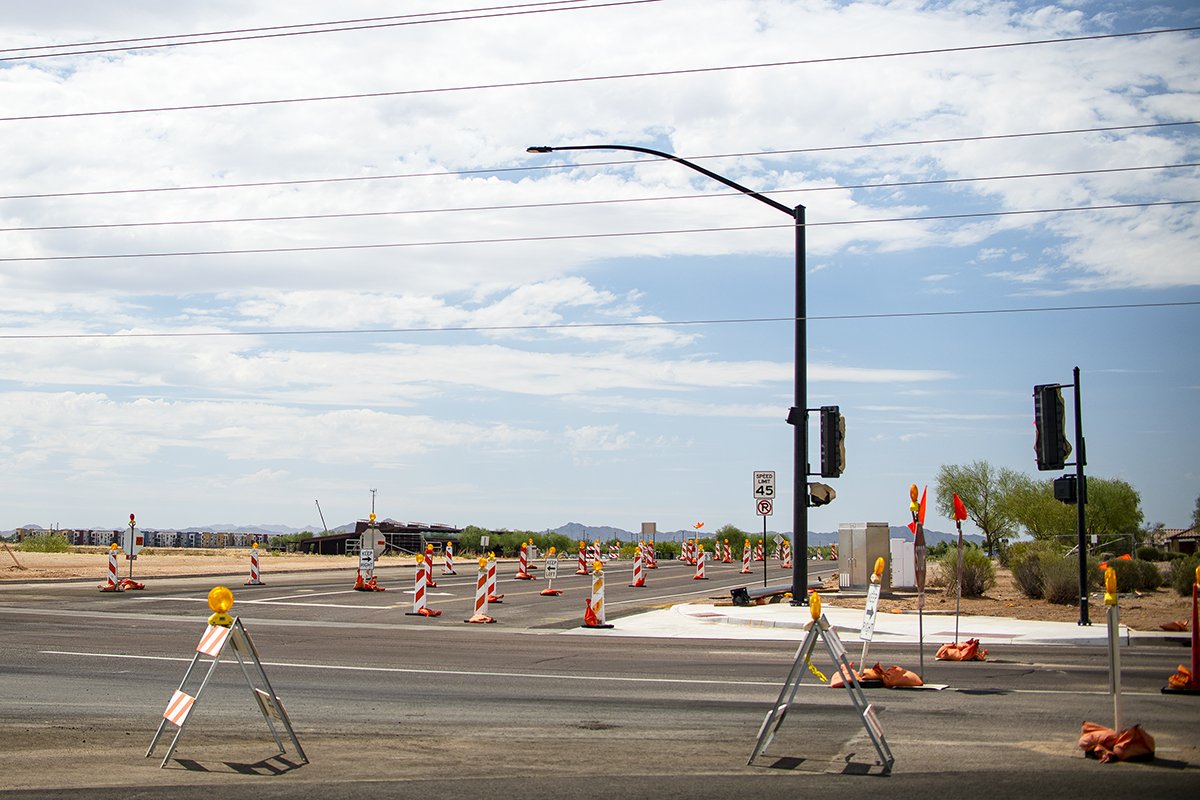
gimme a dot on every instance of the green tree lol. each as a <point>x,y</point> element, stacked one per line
<point>1196,514</point>
<point>1113,510</point>
<point>982,488</point>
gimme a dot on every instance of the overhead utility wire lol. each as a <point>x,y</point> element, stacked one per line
<point>572,203</point>
<point>442,17</point>
<point>544,167</point>
<point>594,78</point>
<point>577,236</point>
<point>279,27</point>
<point>550,326</point>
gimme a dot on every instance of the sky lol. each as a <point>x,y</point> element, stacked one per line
<point>315,259</point>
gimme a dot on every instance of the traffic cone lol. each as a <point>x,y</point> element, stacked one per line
<point>254,574</point>
<point>112,584</point>
<point>481,596</point>
<point>1185,680</point>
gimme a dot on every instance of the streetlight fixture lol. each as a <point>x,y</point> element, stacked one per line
<point>798,414</point>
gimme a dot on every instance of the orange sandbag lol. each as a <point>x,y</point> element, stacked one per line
<point>1173,625</point>
<point>1107,745</point>
<point>1182,679</point>
<point>962,651</point>
<point>896,675</point>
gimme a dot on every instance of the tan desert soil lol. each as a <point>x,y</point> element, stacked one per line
<point>1146,611</point>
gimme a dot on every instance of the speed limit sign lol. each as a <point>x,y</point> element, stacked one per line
<point>764,508</point>
<point>764,486</point>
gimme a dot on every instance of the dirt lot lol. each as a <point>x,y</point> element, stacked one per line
<point>1148,611</point>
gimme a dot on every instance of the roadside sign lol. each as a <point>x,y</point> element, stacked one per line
<point>366,561</point>
<point>764,485</point>
<point>551,567</point>
<point>868,625</point>
<point>778,540</point>
<point>132,541</point>
<point>764,507</point>
<point>485,540</point>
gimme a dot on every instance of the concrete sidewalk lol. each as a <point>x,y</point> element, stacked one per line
<point>781,621</point>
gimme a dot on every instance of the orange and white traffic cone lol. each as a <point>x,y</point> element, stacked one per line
<point>759,555</point>
<point>420,609</point>
<point>449,568</point>
<point>429,567</point>
<point>728,556</point>
<point>112,584</point>
<point>254,573</point>
<point>639,577</point>
<point>700,559</point>
<point>582,570</point>
<point>523,565</point>
<point>593,615</point>
<point>650,556</point>
<point>745,570</point>
<point>491,580</point>
<point>786,555</point>
<point>481,596</point>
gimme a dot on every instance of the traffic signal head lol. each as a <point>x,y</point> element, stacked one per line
<point>833,442</point>
<point>820,494</point>
<point>1050,445</point>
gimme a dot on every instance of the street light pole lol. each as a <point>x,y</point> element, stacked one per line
<point>798,414</point>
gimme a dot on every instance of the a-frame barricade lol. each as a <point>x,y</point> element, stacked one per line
<point>217,639</point>
<point>821,629</point>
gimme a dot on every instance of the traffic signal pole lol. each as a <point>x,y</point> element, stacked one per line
<point>1080,502</point>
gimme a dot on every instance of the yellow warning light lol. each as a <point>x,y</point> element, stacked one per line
<point>372,516</point>
<point>701,548</point>
<point>482,562</point>
<point>582,544</point>
<point>254,545</point>
<point>912,493</point>
<point>879,567</point>
<point>1110,587</point>
<point>114,546</point>
<point>491,556</point>
<point>914,507</point>
<point>1198,574</point>
<point>597,566</point>
<point>552,550</point>
<point>814,605</point>
<point>429,548</point>
<point>220,600</point>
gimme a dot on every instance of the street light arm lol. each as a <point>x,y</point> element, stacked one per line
<point>634,149</point>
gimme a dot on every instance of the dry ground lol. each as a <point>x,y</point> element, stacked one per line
<point>1148,611</point>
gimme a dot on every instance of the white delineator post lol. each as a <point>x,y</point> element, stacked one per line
<point>112,584</point>
<point>491,580</point>
<point>639,577</point>
<point>254,572</point>
<point>745,570</point>
<point>700,559</point>
<point>582,570</point>
<point>593,617</point>
<point>420,607</point>
<point>449,568</point>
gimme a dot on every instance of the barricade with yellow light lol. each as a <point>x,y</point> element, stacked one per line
<point>593,615</point>
<point>226,632</point>
<point>255,574</point>
<point>481,596</point>
<point>821,629</point>
<point>1185,680</point>
<point>420,607</point>
<point>1115,743</point>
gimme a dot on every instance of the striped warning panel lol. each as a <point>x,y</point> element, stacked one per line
<point>213,640</point>
<point>178,708</point>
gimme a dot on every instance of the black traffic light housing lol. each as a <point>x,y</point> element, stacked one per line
<point>1049,418</point>
<point>833,442</point>
<point>820,494</point>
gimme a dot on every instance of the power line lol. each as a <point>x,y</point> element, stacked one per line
<point>619,162</point>
<point>592,325</point>
<point>567,237</point>
<point>570,203</point>
<point>443,17</point>
<point>595,78</point>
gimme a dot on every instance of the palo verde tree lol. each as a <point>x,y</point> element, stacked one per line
<point>982,488</point>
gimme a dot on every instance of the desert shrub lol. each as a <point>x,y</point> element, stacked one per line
<point>978,574</point>
<point>1060,578</point>
<point>1136,575</point>
<point>1182,574</point>
<point>1150,554</point>
<point>47,542</point>
<point>1028,575</point>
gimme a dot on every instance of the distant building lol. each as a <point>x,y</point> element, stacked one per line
<point>401,537</point>
<point>1186,540</point>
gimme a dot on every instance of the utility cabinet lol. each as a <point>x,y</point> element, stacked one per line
<point>859,544</point>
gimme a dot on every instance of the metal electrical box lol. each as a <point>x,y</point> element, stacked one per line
<point>859,544</point>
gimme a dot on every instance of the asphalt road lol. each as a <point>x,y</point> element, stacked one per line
<point>388,705</point>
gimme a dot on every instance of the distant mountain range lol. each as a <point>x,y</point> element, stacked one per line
<point>572,530</point>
